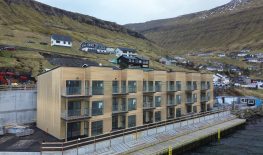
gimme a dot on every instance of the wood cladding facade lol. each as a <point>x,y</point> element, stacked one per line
<point>52,99</point>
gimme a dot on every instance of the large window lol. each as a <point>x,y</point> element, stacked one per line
<point>189,85</point>
<point>195,85</point>
<point>178,112</point>
<point>131,121</point>
<point>73,87</point>
<point>132,104</point>
<point>158,86</point>
<point>178,99</point>
<point>96,128</point>
<point>150,86</point>
<point>123,86</point>
<point>132,86</point>
<point>208,85</point>
<point>208,96</point>
<point>97,108</point>
<point>178,85</point>
<point>194,109</point>
<point>115,87</point>
<point>97,88</point>
<point>158,101</point>
<point>203,85</point>
<point>158,116</point>
<point>171,86</point>
<point>195,97</point>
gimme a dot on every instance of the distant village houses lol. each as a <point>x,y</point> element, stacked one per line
<point>129,52</point>
<point>89,46</point>
<point>61,40</point>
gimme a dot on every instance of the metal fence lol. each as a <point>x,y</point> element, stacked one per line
<point>62,146</point>
<point>18,87</point>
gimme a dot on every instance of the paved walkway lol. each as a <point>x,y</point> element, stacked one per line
<point>178,136</point>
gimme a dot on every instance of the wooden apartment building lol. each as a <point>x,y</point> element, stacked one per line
<point>80,102</point>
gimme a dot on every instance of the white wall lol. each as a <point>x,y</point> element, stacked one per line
<point>53,43</point>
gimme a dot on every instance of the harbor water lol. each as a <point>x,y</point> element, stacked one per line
<point>248,140</point>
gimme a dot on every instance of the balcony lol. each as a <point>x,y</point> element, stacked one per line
<point>116,91</point>
<point>116,109</point>
<point>171,89</point>
<point>150,90</point>
<point>189,101</point>
<point>189,88</point>
<point>204,87</point>
<point>148,105</point>
<point>171,103</point>
<point>75,92</point>
<point>77,114</point>
<point>204,99</point>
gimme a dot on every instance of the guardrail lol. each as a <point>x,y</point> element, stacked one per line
<point>62,146</point>
<point>18,87</point>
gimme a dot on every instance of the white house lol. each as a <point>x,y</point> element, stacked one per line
<point>60,40</point>
<point>220,79</point>
<point>126,52</point>
<point>110,50</point>
<point>242,54</point>
<point>221,55</point>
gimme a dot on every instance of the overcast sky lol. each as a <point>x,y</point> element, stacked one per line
<point>134,11</point>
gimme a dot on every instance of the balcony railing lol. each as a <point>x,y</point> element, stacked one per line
<point>75,114</point>
<point>190,88</point>
<point>204,98</point>
<point>73,91</point>
<point>148,105</point>
<point>189,100</point>
<point>171,88</point>
<point>204,87</point>
<point>171,103</point>
<point>117,91</point>
<point>119,109</point>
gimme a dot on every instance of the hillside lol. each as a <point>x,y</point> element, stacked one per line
<point>235,25</point>
<point>27,23</point>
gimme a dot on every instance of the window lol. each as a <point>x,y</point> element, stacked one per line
<point>171,86</point>
<point>64,42</point>
<point>144,86</point>
<point>73,87</point>
<point>97,108</point>
<point>208,85</point>
<point>132,86</point>
<point>158,86</point>
<point>68,43</point>
<point>150,86</point>
<point>178,85</point>
<point>178,99</point>
<point>115,87</point>
<point>132,104</point>
<point>189,85</point>
<point>97,88</point>
<point>195,97</point>
<point>57,41</point>
<point>195,109</point>
<point>208,96</point>
<point>158,101</point>
<point>203,86</point>
<point>123,86</point>
<point>96,128</point>
<point>195,85</point>
<point>158,116</point>
<point>131,121</point>
<point>178,112</point>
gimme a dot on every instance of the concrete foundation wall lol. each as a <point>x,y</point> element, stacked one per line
<point>18,106</point>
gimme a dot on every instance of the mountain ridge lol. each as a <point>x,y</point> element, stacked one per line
<point>53,11</point>
<point>207,30</point>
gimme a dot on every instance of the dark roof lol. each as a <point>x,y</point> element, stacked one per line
<point>124,49</point>
<point>61,37</point>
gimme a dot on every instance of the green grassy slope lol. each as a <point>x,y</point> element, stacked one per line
<point>23,22</point>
